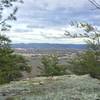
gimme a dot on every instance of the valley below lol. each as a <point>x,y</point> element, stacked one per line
<point>33,56</point>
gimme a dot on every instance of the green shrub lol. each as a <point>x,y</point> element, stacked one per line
<point>51,66</point>
<point>86,63</point>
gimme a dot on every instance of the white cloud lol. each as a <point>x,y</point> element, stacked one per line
<point>52,4</point>
<point>42,11</point>
<point>45,20</point>
<point>39,35</point>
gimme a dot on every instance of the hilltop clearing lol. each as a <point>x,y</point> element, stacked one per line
<point>67,87</point>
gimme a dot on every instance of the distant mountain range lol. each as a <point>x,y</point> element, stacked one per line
<point>47,45</point>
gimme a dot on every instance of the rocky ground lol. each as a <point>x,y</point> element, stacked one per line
<point>68,87</point>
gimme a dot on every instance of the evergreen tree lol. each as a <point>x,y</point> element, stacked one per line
<point>11,65</point>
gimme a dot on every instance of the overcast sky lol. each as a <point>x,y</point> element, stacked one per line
<point>45,21</point>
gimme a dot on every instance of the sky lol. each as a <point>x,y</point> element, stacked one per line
<point>45,21</point>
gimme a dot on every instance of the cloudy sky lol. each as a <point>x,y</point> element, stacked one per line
<point>45,21</point>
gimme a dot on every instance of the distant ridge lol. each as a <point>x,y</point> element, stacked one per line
<point>47,45</point>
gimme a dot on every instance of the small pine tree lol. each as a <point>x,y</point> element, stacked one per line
<point>51,66</point>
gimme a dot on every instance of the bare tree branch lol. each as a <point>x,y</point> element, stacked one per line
<point>9,5</point>
<point>97,5</point>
